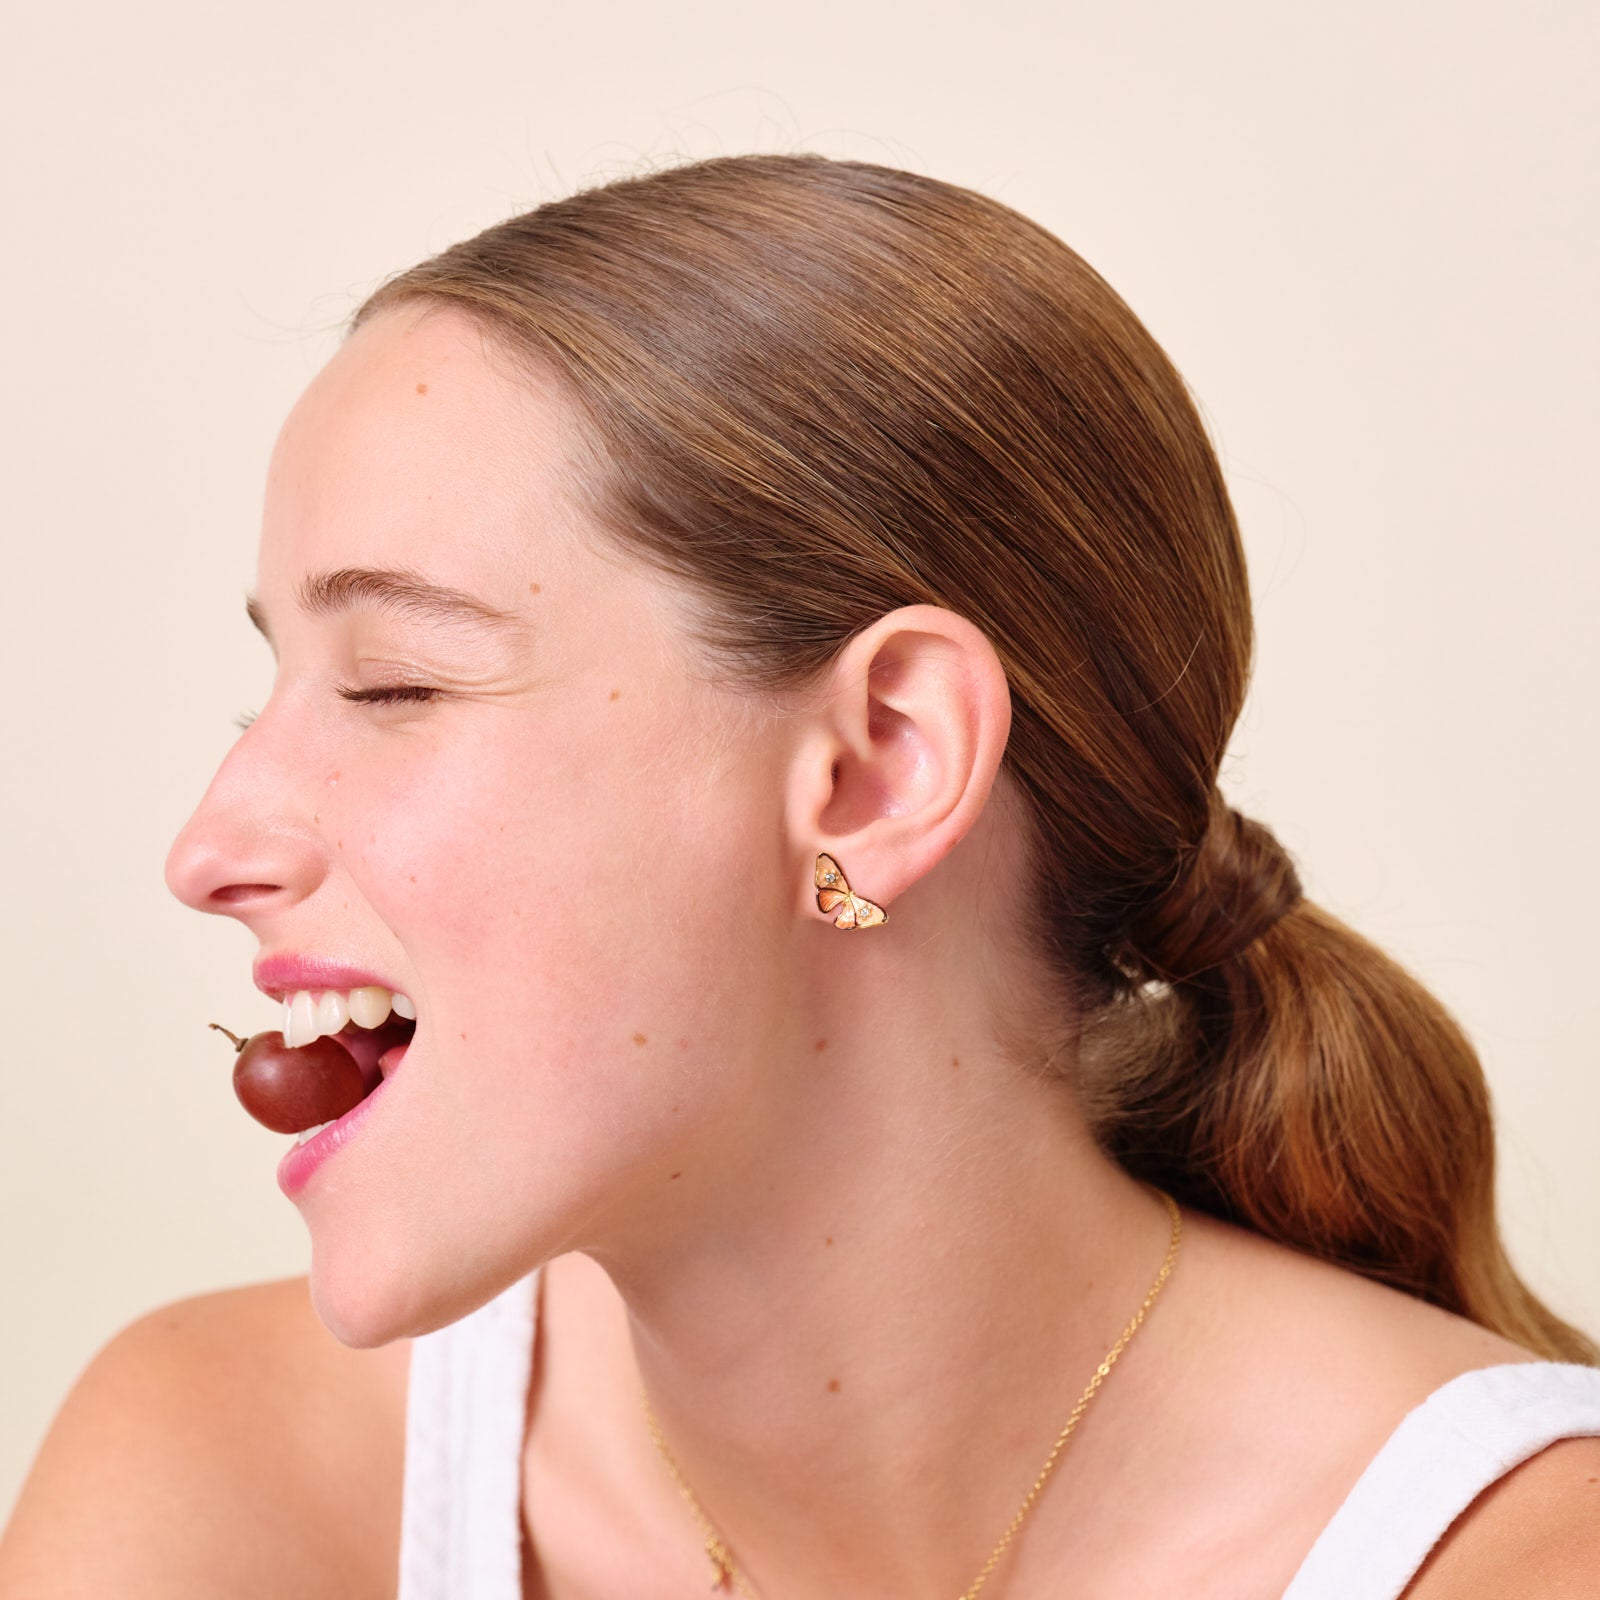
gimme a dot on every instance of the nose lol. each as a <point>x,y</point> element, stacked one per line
<point>243,853</point>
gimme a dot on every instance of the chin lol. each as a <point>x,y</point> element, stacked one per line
<point>369,1291</point>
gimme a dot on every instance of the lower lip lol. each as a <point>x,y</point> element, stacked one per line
<point>294,1171</point>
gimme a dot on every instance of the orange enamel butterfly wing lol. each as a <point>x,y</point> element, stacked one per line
<point>834,894</point>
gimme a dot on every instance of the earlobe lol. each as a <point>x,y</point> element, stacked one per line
<point>834,892</point>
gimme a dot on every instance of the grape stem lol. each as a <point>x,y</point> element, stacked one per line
<point>238,1043</point>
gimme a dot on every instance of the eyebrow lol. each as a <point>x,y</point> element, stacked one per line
<point>395,591</point>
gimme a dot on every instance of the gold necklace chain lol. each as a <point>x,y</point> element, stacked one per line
<point>723,1565</point>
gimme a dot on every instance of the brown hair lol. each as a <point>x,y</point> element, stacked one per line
<point>818,390</point>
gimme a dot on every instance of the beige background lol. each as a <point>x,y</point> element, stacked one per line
<point>1366,234</point>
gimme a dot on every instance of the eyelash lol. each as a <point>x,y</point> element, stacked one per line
<point>385,696</point>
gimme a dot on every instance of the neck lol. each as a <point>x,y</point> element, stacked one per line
<point>883,1337</point>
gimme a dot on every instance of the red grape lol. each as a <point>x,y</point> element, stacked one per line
<point>291,1090</point>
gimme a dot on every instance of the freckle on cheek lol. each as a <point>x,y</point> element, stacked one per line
<point>677,1174</point>
<point>638,1038</point>
<point>422,388</point>
<point>822,1044</point>
<point>833,1386</point>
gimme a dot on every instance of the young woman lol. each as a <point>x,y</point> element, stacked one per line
<point>755,647</point>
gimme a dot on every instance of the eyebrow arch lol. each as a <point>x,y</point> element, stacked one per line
<point>397,591</point>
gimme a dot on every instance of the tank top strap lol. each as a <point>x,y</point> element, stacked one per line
<point>1447,1449</point>
<point>466,1404</point>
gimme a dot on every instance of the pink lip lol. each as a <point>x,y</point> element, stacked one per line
<point>294,1171</point>
<point>280,975</point>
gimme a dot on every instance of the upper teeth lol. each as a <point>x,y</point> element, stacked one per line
<point>307,1016</point>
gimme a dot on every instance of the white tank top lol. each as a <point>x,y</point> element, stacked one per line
<point>461,1518</point>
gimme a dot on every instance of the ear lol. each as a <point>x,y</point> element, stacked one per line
<point>898,753</point>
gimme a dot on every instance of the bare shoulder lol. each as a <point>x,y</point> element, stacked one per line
<point>212,1446</point>
<point>1317,1365</point>
<point>1360,1352</point>
<point>1534,1532</point>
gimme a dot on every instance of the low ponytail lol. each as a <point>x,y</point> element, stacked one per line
<point>1268,1064</point>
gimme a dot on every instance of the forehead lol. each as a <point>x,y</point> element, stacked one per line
<point>417,445</point>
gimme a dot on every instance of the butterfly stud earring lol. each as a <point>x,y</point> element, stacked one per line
<point>834,892</point>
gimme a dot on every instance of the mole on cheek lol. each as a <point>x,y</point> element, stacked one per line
<point>422,388</point>
<point>638,1038</point>
<point>833,1386</point>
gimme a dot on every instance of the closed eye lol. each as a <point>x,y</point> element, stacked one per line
<point>389,695</point>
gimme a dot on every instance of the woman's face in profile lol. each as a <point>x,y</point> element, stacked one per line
<point>542,853</point>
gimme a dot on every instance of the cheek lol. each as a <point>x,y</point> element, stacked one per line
<point>584,916</point>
